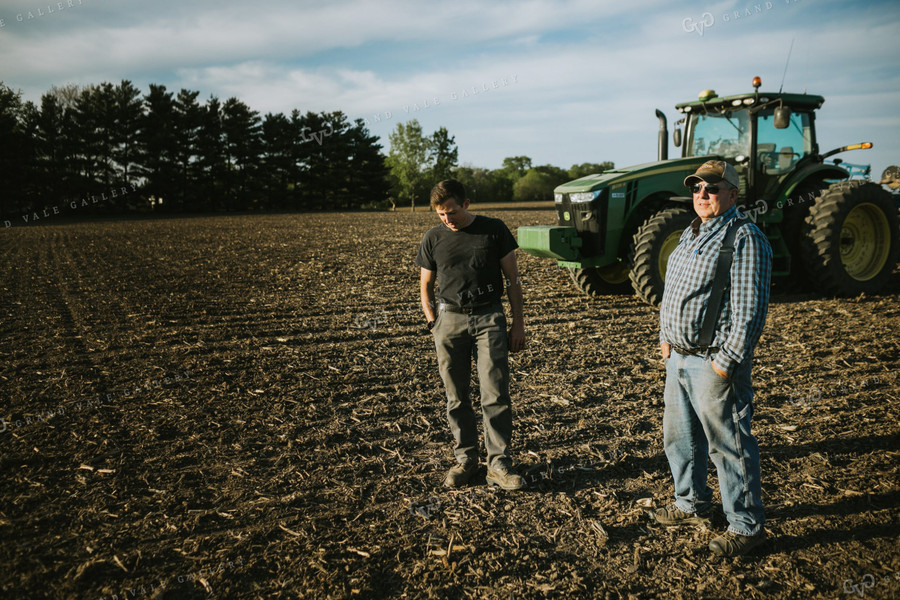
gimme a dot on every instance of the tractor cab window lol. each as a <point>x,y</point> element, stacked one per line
<point>724,134</point>
<point>777,150</point>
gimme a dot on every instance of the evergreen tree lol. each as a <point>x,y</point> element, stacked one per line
<point>56,143</point>
<point>91,147</point>
<point>242,130</point>
<point>159,146</point>
<point>188,123</point>
<point>128,113</point>
<point>298,153</point>
<point>211,156</point>
<point>16,155</point>
<point>277,161</point>
<point>369,175</point>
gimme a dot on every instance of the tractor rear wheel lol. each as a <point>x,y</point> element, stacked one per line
<point>795,210</point>
<point>602,281</point>
<point>850,240</point>
<point>653,243</point>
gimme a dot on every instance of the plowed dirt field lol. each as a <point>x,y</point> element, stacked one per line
<point>249,407</point>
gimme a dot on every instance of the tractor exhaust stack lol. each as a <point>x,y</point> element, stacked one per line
<point>663,151</point>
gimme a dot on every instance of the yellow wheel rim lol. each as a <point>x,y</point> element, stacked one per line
<point>865,241</point>
<point>666,249</point>
<point>615,273</point>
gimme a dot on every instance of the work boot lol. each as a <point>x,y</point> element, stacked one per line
<point>505,478</point>
<point>460,474</point>
<point>735,544</point>
<point>672,516</point>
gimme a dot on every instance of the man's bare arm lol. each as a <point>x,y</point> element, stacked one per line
<point>426,291</point>
<point>516,301</point>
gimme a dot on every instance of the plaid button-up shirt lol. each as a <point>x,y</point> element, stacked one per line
<point>689,279</point>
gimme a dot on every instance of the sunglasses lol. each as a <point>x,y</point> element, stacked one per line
<point>710,189</point>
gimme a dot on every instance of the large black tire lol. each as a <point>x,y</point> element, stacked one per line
<point>850,240</point>
<point>603,281</point>
<point>795,210</point>
<point>653,242</point>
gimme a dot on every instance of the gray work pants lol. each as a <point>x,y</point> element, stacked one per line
<point>457,337</point>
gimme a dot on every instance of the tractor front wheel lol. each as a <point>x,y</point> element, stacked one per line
<point>850,239</point>
<point>654,241</point>
<point>603,281</point>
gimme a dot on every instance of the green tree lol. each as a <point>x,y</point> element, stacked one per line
<point>484,185</point>
<point>128,113</point>
<point>93,123</point>
<point>558,175</point>
<point>539,183</point>
<point>369,175</point>
<point>515,167</point>
<point>408,161</point>
<point>298,153</point>
<point>159,146</point>
<point>83,142</point>
<point>211,155</point>
<point>442,154</point>
<point>585,169</point>
<point>16,154</point>
<point>242,128</point>
<point>188,117</point>
<point>57,143</point>
<point>277,163</point>
<point>319,172</point>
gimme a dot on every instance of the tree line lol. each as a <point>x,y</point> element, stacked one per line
<point>180,154</point>
<point>113,149</point>
<point>418,161</point>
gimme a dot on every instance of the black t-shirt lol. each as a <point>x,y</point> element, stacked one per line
<point>467,261</point>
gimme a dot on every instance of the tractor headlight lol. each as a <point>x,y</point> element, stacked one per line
<point>582,197</point>
<point>557,198</point>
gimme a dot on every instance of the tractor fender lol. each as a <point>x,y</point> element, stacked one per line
<point>818,172</point>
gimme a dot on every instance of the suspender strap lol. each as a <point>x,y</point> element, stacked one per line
<point>723,267</point>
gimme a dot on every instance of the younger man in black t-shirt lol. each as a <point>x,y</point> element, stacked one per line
<point>469,254</point>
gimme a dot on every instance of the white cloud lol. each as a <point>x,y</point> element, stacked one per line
<point>589,76</point>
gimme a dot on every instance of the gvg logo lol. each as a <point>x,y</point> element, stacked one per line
<point>868,582</point>
<point>706,20</point>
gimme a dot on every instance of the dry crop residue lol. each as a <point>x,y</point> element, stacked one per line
<point>249,407</point>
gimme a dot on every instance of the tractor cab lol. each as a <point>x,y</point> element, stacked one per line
<point>766,136</point>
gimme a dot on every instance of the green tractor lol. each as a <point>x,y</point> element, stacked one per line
<point>617,229</point>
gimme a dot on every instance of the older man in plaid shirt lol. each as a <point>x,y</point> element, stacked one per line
<point>708,394</point>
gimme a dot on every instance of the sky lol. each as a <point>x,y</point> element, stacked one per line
<point>563,82</point>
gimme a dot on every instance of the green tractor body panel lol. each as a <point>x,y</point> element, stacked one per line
<point>550,241</point>
<point>599,209</point>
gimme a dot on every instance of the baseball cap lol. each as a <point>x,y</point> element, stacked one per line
<point>714,171</point>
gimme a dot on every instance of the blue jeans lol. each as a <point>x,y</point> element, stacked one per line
<point>708,414</point>
<point>458,338</point>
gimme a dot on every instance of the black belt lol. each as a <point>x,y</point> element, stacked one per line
<point>468,310</point>
<point>704,351</point>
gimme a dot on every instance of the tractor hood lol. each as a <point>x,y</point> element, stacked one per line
<point>593,183</point>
